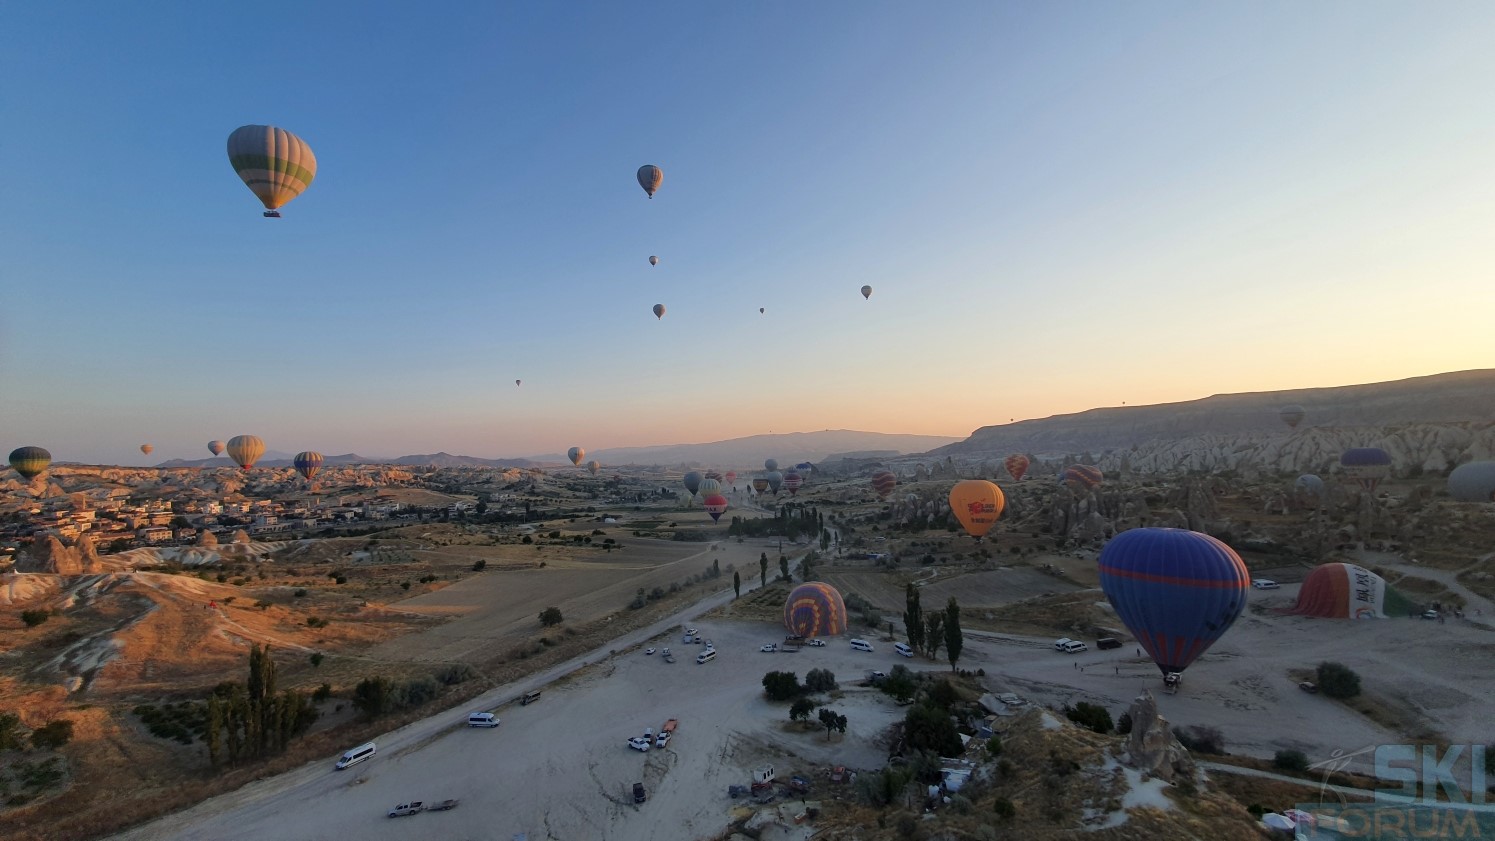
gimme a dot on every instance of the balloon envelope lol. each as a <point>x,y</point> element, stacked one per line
<point>245,450</point>
<point>1292,415</point>
<point>659,310</point>
<point>692,482</point>
<point>883,481</point>
<point>771,464</point>
<point>815,609</point>
<point>760,310</point>
<point>775,480</point>
<point>1309,487</point>
<point>709,487</point>
<point>866,292</point>
<point>307,463</point>
<point>977,504</point>
<point>653,261</point>
<point>1473,482</point>
<point>760,485</point>
<point>716,506</point>
<point>793,481</point>
<point>731,477</point>
<point>593,467</point>
<point>30,461</point>
<point>650,177</point>
<point>1081,477</point>
<point>1176,590</point>
<point>275,164</point>
<point>1366,466</point>
<point>1016,466</point>
<point>215,447</point>
<point>576,454</point>
<point>147,449</point>
<point>1347,591</point>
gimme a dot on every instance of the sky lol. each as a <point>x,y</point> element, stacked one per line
<point>1058,205</point>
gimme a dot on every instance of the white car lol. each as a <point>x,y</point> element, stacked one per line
<point>639,743</point>
<point>690,632</point>
<point>1264,584</point>
<point>662,740</point>
<point>648,651</point>
<point>817,643</point>
<point>770,648</point>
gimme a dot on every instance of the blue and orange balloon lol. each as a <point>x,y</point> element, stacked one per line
<point>307,463</point>
<point>1177,591</point>
<point>815,609</point>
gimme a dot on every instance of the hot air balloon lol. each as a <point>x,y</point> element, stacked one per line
<point>517,382</point>
<point>716,506</point>
<point>1309,488</point>
<point>653,261</point>
<point>866,292</point>
<point>712,474</point>
<point>1176,590</point>
<point>804,467</point>
<point>307,463</point>
<point>1081,477</point>
<point>771,464</point>
<point>883,481</point>
<point>30,461</point>
<point>775,480</point>
<point>815,609</point>
<point>760,485</point>
<point>1016,466</point>
<point>977,504</point>
<point>1473,482</point>
<point>659,310</point>
<point>1292,415</point>
<point>215,447</point>
<point>147,449</point>
<point>731,478</point>
<point>1366,466</point>
<point>692,481</point>
<point>650,177</point>
<point>793,481</point>
<point>576,454</point>
<point>245,450</point>
<point>709,487</point>
<point>760,310</point>
<point>593,467</point>
<point>275,164</point>
<point>1347,591</point>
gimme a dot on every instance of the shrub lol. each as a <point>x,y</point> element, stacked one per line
<point>994,746</point>
<point>32,618</point>
<point>322,692</point>
<point>300,593</point>
<point>1337,680</point>
<point>1290,760</point>
<point>550,617</point>
<point>341,579</point>
<point>53,734</point>
<point>404,585</point>
<point>781,686</point>
<point>1090,716</point>
<point>820,680</point>
<point>527,540</point>
<point>316,658</point>
<point>1004,808</point>
<point>1201,739</point>
<point>1124,724</point>
<point>477,566</point>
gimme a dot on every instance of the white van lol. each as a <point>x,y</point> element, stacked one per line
<point>902,648</point>
<point>482,720</point>
<point>356,755</point>
<point>1264,584</point>
<point>1074,647</point>
<point>861,645</point>
<point>706,656</point>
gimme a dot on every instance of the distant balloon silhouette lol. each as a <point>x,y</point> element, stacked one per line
<point>866,292</point>
<point>775,481</point>
<point>884,481</point>
<point>730,478</point>
<point>517,382</point>
<point>692,481</point>
<point>215,447</point>
<point>593,467</point>
<point>1016,466</point>
<point>653,261</point>
<point>771,464</point>
<point>650,177</point>
<point>307,463</point>
<point>760,310</point>
<point>245,450</point>
<point>576,454</point>
<point>1309,488</point>
<point>147,449</point>
<point>30,461</point>
<point>1292,415</point>
<point>659,311</point>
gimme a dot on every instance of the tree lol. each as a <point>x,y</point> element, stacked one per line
<point>1290,760</point>
<point>215,724</point>
<point>482,506</point>
<point>820,680</point>
<point>371,696</point>
<point>763,570</point>
<point>806,566</point>
<point>831,721</point>
<point>550,617</point>
<point>736,584</point>
<point>1337,680</point>
<point>954,641</point>
<point>1090,716</point>
<point>800,710</point>
<point>10,739</point>
<point>934,632</point>
<point>53,734</point>
<point>784,568</point>
<point>928,727</point>
<point>900,684</point>
<point>913,618</point>
<point>781,686</point>
<point>32,618</point>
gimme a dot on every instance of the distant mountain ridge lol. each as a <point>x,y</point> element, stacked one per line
<point>1460,397</point>
<point>431,460</point>
<point>788,448</point>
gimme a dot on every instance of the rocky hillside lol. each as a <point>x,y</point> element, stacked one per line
<point>1424,422</point>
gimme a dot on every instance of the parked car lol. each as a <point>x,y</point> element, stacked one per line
<point>1430,614</point>
<point>648,651</point>
<point>404,809</point>
<point>817,642</point>
<point>639,795</point>
<point>639,743</point>
<point>1074,647</point>
<point>1308,686</point>
<point>529,698</point>
<point>661,740</point>
<point>902,648</point>
<point>1264,584</point>
<point>690,632</point>
<point>482,720</point>
<point>770,648</point>
<point>1105,643</point>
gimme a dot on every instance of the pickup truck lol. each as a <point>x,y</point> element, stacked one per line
<point>404,809</point>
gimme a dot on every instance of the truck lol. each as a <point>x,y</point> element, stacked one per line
<point>763,778</point>
<point>405,809</point>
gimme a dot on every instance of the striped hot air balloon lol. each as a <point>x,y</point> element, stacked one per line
<point>1016,466</point>
<point>576,454</point>
<point>1081,477</point>
<point>245,450</point>
<point>30,461</point>
<point>307,463</point>
<point>760,485</point>
<point>650,177</point>
<point>709,487</point>
<point>793,482</point>
<point>1177,591</point>
<point>883,481</point>
<point>815,609</point>
<point>275,164</point>
<point>1365,466</point>
<point>716,506</point>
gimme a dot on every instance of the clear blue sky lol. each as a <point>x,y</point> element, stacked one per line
<point>1059,206</point>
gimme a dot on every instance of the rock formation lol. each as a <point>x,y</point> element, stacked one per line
<point>1151,746</point>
